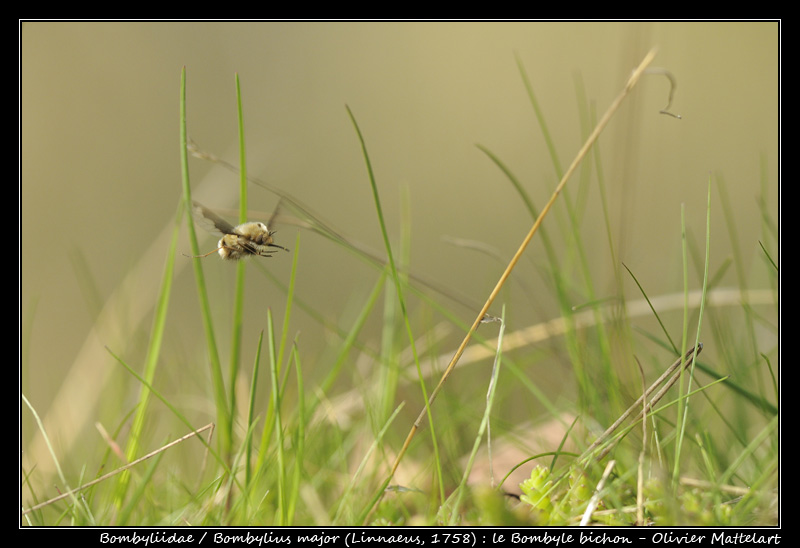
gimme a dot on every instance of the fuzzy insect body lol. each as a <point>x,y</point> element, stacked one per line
<point>251,238</point>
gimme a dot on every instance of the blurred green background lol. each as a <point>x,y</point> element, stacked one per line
<point>100,173</point>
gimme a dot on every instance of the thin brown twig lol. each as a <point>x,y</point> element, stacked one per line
<point>632,80</point>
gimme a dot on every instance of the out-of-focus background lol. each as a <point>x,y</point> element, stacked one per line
<point>100,171</point>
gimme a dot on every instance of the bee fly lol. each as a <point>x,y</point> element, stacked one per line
<point>253,238</point>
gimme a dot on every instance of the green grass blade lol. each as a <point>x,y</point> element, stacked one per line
<point>77,505</point>
<point>367,508</point>
<point>685,404</point>
<point>175,411</point>
<point>282,516</point>
<point>655,312</point>
<point>251,409</point>
<point>270,420</point>
<point>548,139</point>
<point>299,436</point>
<point>399,288</point>
<point>217,379</point>
<point>289,301</point>
<point>151,360</point>
<point>238,298</point>
<point>483,428</point>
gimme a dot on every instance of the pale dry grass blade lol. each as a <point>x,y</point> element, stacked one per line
<point>632,80</point>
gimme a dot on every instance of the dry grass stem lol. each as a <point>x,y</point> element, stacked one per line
<point>118,470</point>
<point>634,78</point>
<point>673,370</point>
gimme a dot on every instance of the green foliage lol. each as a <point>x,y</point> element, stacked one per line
<point>302,451</point>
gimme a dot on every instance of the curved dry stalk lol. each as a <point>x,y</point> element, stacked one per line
<point>634,78</point>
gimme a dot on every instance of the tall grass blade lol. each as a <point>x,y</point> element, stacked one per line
<point>238,295</point>
<point>217,379</point>
<point>77,506</point>
<point>251,410</point>
<point>299,436</point>
<point>484,428</point>
<point>276,397</point>
<point>151,361</point>
<point>400,298</point>
<point>632,80</point>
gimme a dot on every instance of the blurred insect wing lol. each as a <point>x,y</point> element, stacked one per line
<point>210,220</point>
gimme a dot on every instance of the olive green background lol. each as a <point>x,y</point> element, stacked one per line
<point>100,172</point>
